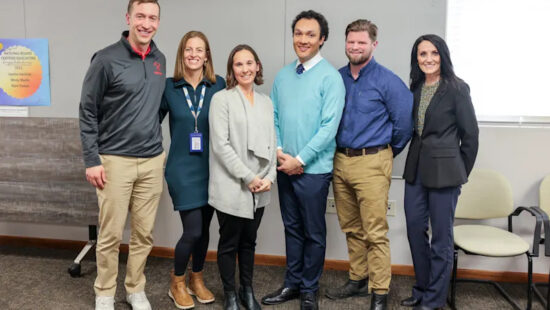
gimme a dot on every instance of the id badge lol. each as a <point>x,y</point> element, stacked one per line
<point>195,142</point>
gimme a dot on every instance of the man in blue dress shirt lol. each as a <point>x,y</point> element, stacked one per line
<point>376,125</point>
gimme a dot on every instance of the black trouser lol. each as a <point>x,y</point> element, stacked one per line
<point>237,237</point>
<point>194,240</point>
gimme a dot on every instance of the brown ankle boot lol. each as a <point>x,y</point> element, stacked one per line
<point>197,288</point>
<point>178,292</point>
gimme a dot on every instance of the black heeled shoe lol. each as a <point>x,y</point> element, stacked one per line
<point>230,301</point>
<point>246,295</point>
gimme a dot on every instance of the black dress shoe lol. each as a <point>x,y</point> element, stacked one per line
<point>246,295</point>
<point>308,301</point>
<point>379,302</point>
<point>410,302</point>
<point>351,288</point>
<point>281,295</point>
<point>230,301</point>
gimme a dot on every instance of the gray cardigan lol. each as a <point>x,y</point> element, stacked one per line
<point>242,146</point>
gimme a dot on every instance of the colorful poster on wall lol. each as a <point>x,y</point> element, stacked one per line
<point>24,72</point>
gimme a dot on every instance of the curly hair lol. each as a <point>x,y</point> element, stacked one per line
<point>323,24</point>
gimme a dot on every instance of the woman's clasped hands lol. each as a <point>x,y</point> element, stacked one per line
<point>259,185</point>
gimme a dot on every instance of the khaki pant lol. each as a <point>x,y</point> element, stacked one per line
<point>133,184</point>
<point>361,186</point>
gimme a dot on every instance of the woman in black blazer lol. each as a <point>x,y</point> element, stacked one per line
<point>441,155</point>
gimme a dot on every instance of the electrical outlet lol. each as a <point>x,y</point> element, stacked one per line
<point>391,208</point>
<point>331,205</point>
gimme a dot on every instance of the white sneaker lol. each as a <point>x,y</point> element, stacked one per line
<point>104,303</point>
<point>138,301</point>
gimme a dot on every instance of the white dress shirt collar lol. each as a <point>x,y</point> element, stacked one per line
<point>310,63</point>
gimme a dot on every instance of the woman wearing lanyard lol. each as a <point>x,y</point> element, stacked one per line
<point>187,100</point>
<point>242,170</point>
<point>441,155</point>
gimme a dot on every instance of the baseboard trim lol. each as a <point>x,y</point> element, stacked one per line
<point>275,260</point>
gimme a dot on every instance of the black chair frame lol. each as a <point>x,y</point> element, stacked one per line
<point>500,289</point>
<point>546,241</point>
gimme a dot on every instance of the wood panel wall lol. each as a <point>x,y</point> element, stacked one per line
<point>42,172</point>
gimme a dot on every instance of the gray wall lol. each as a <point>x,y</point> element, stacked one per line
<point>77,28</point>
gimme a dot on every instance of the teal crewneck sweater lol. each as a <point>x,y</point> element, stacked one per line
<point>308,108</point>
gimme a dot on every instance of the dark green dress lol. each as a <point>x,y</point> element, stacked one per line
<point>187,173</point>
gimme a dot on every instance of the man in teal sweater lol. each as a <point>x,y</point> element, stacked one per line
<point>308,97</point>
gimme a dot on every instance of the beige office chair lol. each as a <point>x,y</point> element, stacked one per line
<point>488,195</point>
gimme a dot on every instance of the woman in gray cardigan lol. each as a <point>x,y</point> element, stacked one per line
<point>242,170</point>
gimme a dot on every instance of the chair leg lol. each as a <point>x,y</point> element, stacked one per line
<point>453,279</point>
<point>548,293</point>
<point>515,305</point>
<point>538,294</point>
<point>529,281</point>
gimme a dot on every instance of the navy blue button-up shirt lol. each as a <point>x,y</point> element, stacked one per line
<point>378,109</point>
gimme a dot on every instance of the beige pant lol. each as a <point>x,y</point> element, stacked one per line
<point>133,184</point>
<point>361,186</point>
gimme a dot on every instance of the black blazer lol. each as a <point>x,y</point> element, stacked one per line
<point>445,153</point>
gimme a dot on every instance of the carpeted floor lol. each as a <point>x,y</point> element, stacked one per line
<point>34,278</point>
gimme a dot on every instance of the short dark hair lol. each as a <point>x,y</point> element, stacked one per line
<point>230,76</point>
<point>131,3</point>
<point>363,25</point>
<point>323,24</point>
<point>417,77</point>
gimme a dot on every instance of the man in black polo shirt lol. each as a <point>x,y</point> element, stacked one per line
<point>122,147</point>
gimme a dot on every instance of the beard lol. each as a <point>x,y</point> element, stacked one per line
<point>358,60</point>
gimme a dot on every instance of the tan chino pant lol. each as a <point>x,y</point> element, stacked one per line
<point>361,186</point>
<point>133,184</point>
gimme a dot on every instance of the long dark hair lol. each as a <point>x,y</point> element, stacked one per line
<point>417,77</point>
